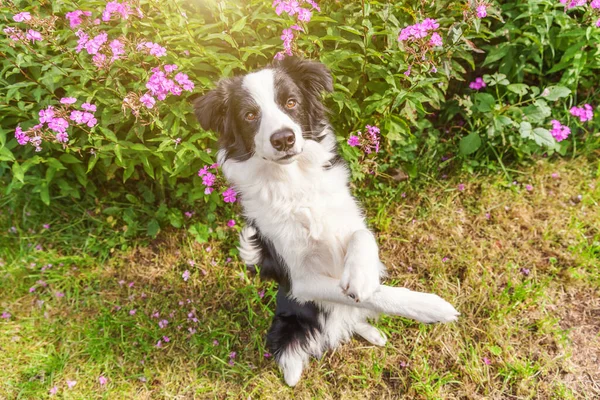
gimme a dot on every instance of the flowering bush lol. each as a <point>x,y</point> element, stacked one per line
<point>95,99</point>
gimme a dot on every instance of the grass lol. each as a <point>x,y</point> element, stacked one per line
<point>521,266</point>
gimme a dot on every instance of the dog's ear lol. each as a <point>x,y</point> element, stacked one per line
<point>210,108</point>
<point>312,75</point>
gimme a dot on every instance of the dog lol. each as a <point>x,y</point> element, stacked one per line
<point>303,226</point>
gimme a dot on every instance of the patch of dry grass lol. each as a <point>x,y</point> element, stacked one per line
<point>525,279</point>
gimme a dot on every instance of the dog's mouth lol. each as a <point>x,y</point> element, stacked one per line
<point>288,158</point>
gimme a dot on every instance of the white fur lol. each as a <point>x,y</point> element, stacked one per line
<point>319,231</point>
<point>248,252</point>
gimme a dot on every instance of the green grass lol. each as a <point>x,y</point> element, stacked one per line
<point>539,331</point>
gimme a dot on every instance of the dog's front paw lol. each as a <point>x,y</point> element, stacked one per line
<point>359,282</point>
<point>430,308</point>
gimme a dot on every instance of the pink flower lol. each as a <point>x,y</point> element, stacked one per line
<point>68,100</point>
<point>153,49</point>
<point>231,223</point>
<point>83,39</point>
<point>261,294</point>
<point>595,4</point>
<point>486,361</point>
<point>559,132</point>
<point>21,137</point>
<point>59,125</point>
<point>166,339</point>
<point>436,39</point>
<point>99,60</point>
<point>585,113</point>
<point>170,68</point>
<point>229,196</point>
<point>461,186</point>
<point>163,323</point>
<point>93,46</point>
<point>148,100</point>
<point>71,384</point>
<point>53,391</point>
<point>5,315</point>
<point>117,48</point>
<point>477,84</point>
<point>46,115</point>
<point>22,16</point>
<point>158,344</point>
<point>525,271</point>
<point>33,35</point>
<point>354,141</point>
<point>529,188</point>
<point>88,107</point>
<point>59,294</point>
<point>113,7</point>
<point>555,175</point>
<point>267,355</point>
<point>185,275</point>
<point>481,11</point>
<point>102,380</point>
<point>208,190</point>
<point>184,81</point>
<point>74,17</point>
<point>208,179</point>
<point>132,312</point>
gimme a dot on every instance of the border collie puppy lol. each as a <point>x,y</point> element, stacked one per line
<point>303,227</point>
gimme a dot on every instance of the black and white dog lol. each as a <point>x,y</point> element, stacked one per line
<point>304,228</point>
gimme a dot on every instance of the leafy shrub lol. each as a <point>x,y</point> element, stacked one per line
<point>401,67</point>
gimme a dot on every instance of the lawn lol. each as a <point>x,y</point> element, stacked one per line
<point>519,262</point>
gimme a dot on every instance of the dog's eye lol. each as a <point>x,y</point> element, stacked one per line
<point>291,103</point>
<point>250,116</point>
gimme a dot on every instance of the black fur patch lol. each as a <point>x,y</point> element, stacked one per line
<point>293,326</point>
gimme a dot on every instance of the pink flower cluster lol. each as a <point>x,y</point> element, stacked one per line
<point>209,179</point>
<point>594,4</point>
<point>573,3</point>
<point>57,123</point>
<point>421,31</point>
<point>160,85</point>
<point>368,141</point>
<point>477,84</point>
<point>293,8</point>
<point>585,113</point>
<point>75,19</point>
<point>114,7</point>
<point>153,49</point>
<point>481,11</point>
<point>559,132</point>
<point>16,34</point>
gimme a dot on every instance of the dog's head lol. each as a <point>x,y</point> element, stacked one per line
<point>269,113</point>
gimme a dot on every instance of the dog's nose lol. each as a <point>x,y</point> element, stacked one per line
<point>283,140</point>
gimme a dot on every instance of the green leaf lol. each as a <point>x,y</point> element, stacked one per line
<point>543,137</point>
<point>239,25</point>
<point>519,88</point>
<point>69,159</point>
<point>44,193</point>
<point>18,172</point>
<point>484,102</point>
<point>470,143</point>
<point>554,93</point>
<point>153,228</point>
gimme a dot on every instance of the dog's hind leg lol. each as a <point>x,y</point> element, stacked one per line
<point>294,336</point>
<point>370,333</point>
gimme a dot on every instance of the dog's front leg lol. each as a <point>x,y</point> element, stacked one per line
<point>423,307</point>
<point>362,268</point>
